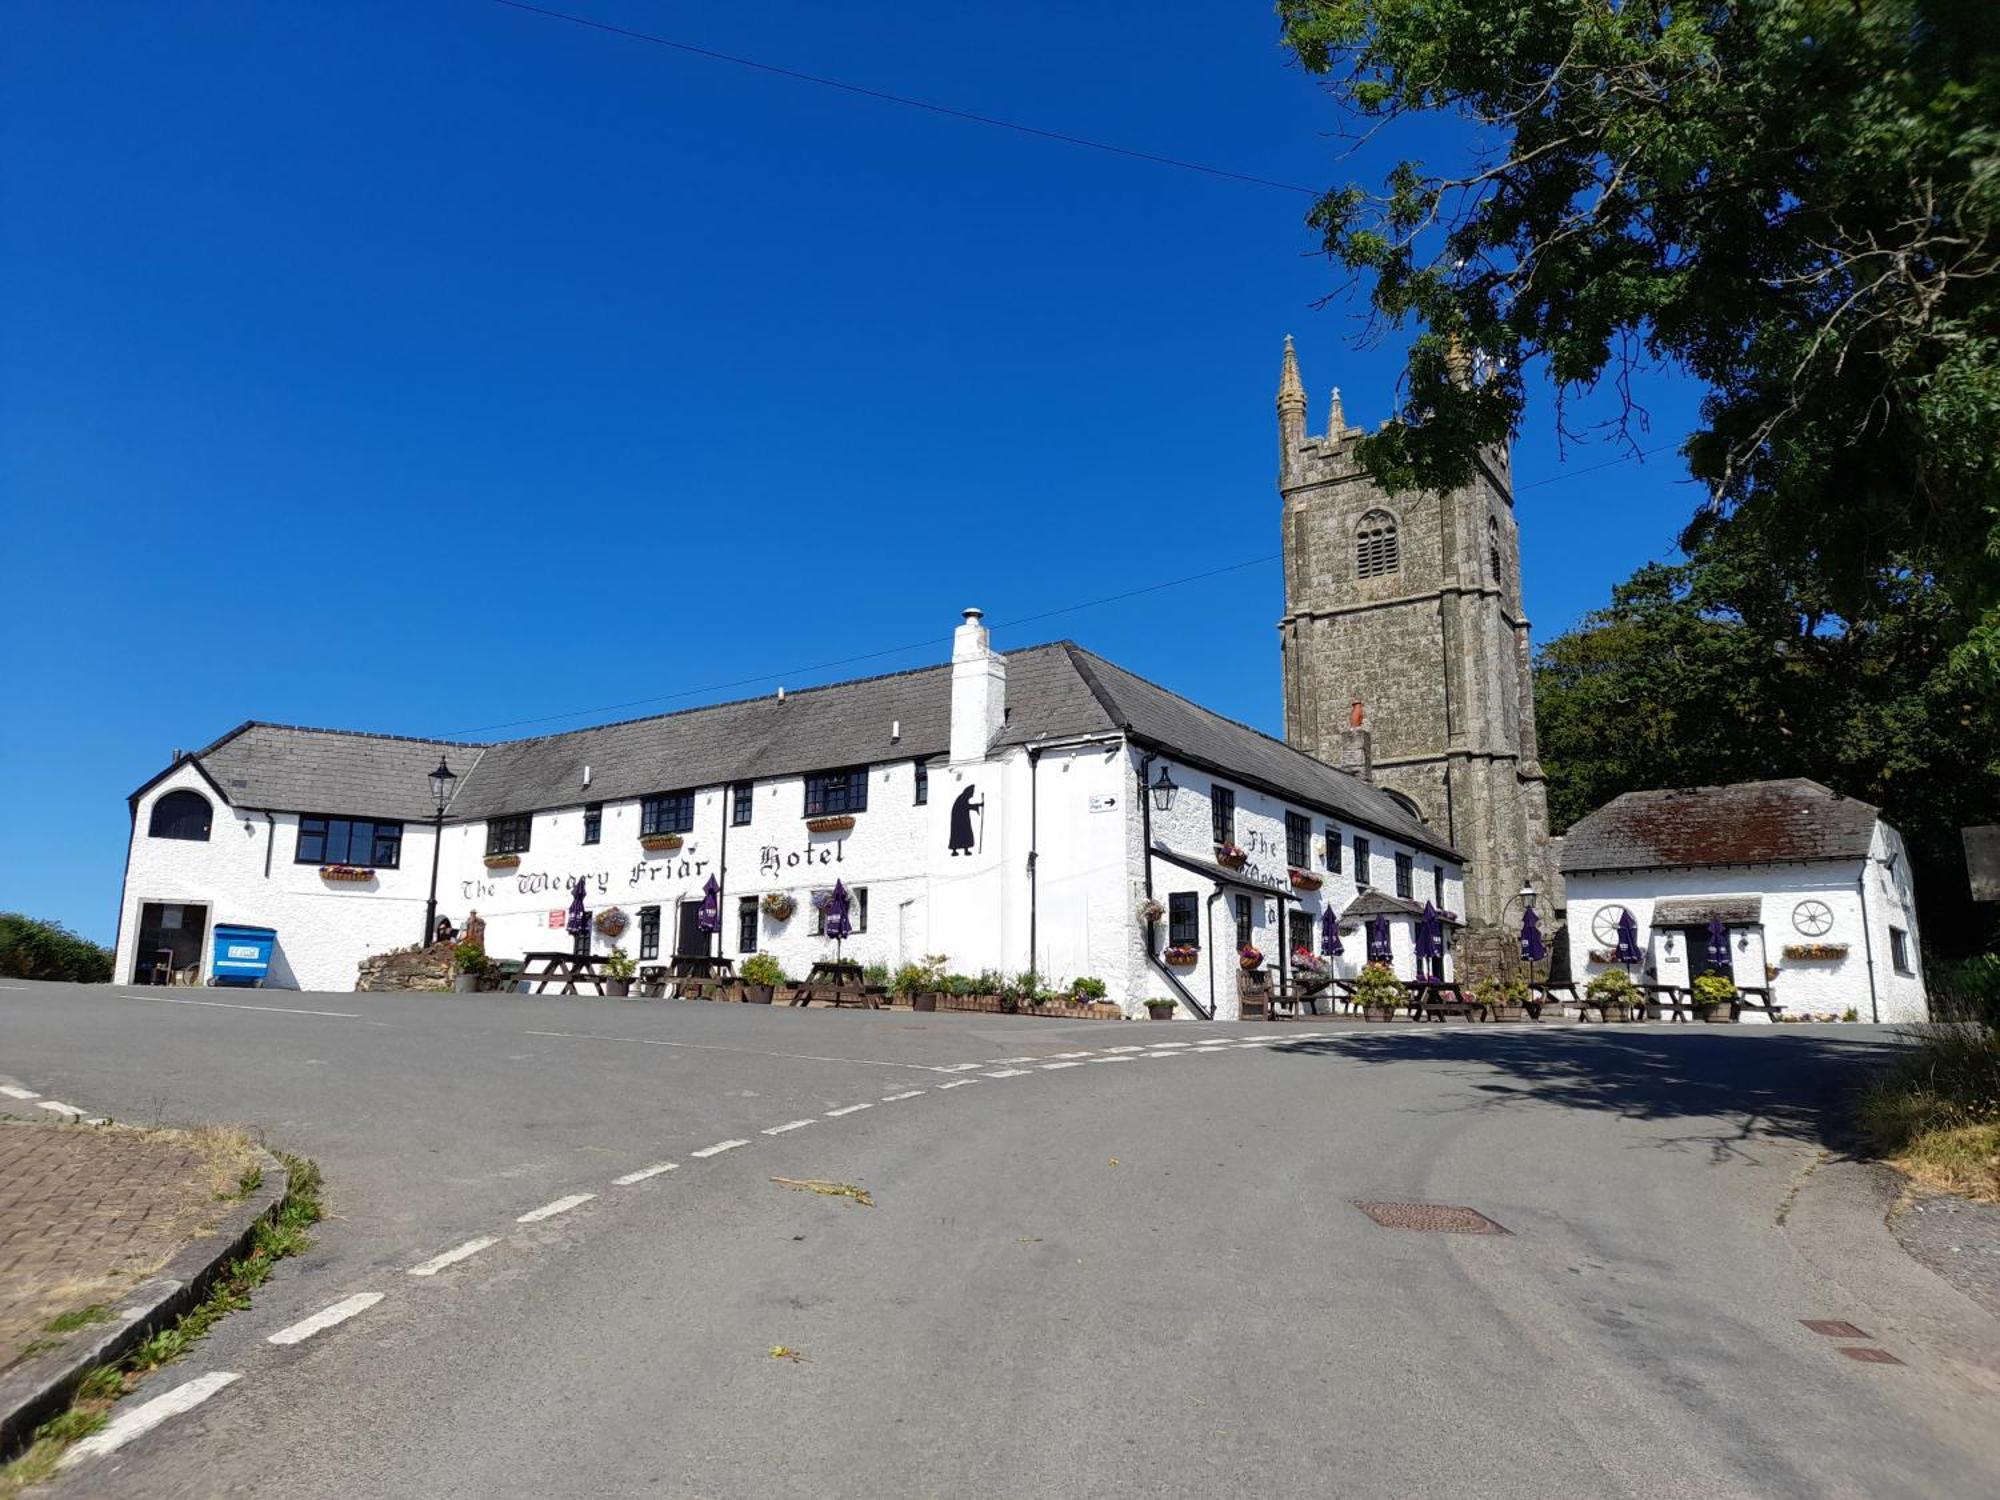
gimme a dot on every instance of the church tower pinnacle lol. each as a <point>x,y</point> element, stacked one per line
<point>1411,604</point>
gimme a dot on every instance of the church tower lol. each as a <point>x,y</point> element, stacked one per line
<point>1410,606</point>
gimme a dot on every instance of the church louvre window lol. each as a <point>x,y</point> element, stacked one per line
<point>1493,547</point>
<point>1377,552</point>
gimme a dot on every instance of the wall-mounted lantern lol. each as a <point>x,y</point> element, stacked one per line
<point>1163,790</point>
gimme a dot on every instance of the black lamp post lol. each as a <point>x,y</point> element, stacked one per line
<point>441,780</point>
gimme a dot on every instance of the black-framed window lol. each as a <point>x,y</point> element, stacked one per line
<point>1183,920</point>
<point>923,783</point>
<point>181,815</point>
<point>1334,849</point>
<point>1437,885</point>
<point>1246,927</point>
<point>1899,950</point>
<point>741,796</point>
<point>349,841</point>
<point>1298,840</point>
<point>649,932</point>
<point>670,812</point>
<point>1363,876</point>
<point>857,912</point>
<point>509,835</point>
<point>831,792</point>
<point>1302,932</point>
<point>746,924</point>
<point>1406,877</point>
<point>1222,811</point>
<point>593,822</point>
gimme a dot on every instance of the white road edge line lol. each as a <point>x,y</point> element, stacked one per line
<point>453,1256</point>
<point>18,1093</point>
<point>550,1210</point>
<point>144,1418</point>
<point>718,1148</point>
<point>643,1173</point>
<point>331,1317</point>
<point>58,1107</point>
<point>910,1094</point>
<point>280,1010</point>
<point>851,1109</point>
<point>781,1129</point>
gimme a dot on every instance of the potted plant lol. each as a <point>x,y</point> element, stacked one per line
<point>1250,957</point>
<point>1230,857</point>
<point>1088,990</point>
<point>1715,998</point>
<point>762,974</point>
<point>1181,955</point>
<point>1378,992</point>
<point>1022,989</point>
<point>1159,1010</point>
<point>779,906</point>
<point>618,971</point>
<point>654,843</point>
<point>1504,999</point>
<point>1613,990</point>
<point>470,965</point>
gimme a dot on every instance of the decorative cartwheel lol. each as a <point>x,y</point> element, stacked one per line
<point>611,922</point>
<point>1604,926</point>
<point>1813,918</point>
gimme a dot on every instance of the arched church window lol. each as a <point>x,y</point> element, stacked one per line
<point>181,815</point>
<point>1493,546</point>
<point>1376,551</point>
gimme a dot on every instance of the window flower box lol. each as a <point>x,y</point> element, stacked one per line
<point>345,872</point>
<point>1810,952</point>
<point>1182,956</point>
<point>1305,880</point>
<point>838,823</point>
<point>654,843</point>
<point>1230,857</point>
<point>503,861</point>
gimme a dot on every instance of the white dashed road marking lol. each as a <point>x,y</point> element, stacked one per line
<point>1051,1067</point>
<point>851,1109</point>
<point>1113,1059</point>
<point>781,1129</point>
<point>958,1083</point>
<point>643,1173</point>
<point>148,1415</point>
<point>962,1068</point>
<point>910,1094</point>
<point>1006,1073</point>
<point>18,1093</point>
<point>339,1313</point>
<point>1124,1049</point>
<point>453,1256</point>
<point>718,1148</point>
<point>550,1210</point>
<point>1085,1053</point>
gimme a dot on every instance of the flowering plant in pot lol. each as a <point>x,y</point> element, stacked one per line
<point>1715,997</point>
<point>762,974</point>
<point>618,970</point>
<point>1230,857</point>
<point>1159,1010</point>
<point>1378,992</point>
<point>921,983</point>
<point>1181,955</point>
<point>1504,999</point>
<point>1612,990</point>
<point>779,906</point>
<point>1250,957</point>
<point>470,965</point>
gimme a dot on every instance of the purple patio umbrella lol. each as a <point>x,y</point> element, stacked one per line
<point>837,925</point>
<point>708,917</point>
<point>1533,949</point>
<point>578,925</point>
<point>1718,941</point>
<point>1430,943</point>
<point>1329,934</point>
<point>1628,939</point>
<point>1379,950</point>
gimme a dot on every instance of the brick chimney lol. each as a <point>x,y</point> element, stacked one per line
<point>978,690</point>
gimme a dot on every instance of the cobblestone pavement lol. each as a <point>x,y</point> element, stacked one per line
<point>87,1211</point>
<point>1958,1239</point>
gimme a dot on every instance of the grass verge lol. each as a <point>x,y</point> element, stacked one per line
<point>1935,1114</point>
<point>275,1237</point>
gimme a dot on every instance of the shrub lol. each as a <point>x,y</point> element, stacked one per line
<point>48,950</point>
<point>1088,988</point>
<point>1377,985</point>
<point>470,958</point>
<point>1024,987</point>
<point>990,982</point>
<point>619,964</point>
<point>1714,989</point>
<point>762,968</point>
<point>1967,991</point>
<point>1936,1110</point>
<point>1612,987</point>
<point>876,974</point>
<point>926,978</point>
<point>1493,990</point>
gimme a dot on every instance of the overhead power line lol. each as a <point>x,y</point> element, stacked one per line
<point>950,111</point>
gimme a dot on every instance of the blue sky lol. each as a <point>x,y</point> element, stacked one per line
<point>426,366</point>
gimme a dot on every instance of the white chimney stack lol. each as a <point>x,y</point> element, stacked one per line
<point>978,690</point>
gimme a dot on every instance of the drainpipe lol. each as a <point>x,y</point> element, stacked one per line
<point>1868,942</point>
<point>271,837</point>
<point>722,862</point>
<point>1034,793</point>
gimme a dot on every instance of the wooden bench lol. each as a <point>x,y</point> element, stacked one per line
<point>1439,1000</point>
<point>1542,992</point>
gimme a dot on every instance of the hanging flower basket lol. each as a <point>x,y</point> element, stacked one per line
<point>655,842</point>
<point>1810,951</point>
<point>778,906</point>
<point>1305,880</point>
<point>1230,857</point>
<point>1181,956</point>
<point>611,922</point>
<point>837,824</point>
<point>503,861</point>
<point>1250,958</point>
<point>345,872</point>
<point>1150,911</point>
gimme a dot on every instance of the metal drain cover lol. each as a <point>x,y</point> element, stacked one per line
<point>1434,1218</point>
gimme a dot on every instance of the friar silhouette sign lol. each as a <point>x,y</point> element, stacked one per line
<point>968,822</point>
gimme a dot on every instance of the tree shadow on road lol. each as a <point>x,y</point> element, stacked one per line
<point>1750,1082</point>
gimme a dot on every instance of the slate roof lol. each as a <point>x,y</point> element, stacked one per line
<point>1371,903</point>
<point>1221,873</point>
<point>1750,823</point>
<point>1054,691</point>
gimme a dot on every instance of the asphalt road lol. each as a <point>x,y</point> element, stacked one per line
<point>1137,1272</point>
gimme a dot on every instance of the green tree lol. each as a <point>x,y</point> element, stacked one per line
<point>1793,201</point>
<point>48,950</point>
<point>1715,670</point>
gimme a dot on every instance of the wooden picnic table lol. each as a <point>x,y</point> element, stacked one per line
<point>1440,999</point>
<point>694,974</point>
<point>837,982</point>
<point>572,969</point>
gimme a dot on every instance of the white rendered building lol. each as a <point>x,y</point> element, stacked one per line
<point>1813,889</point>
<point>989,811</point>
